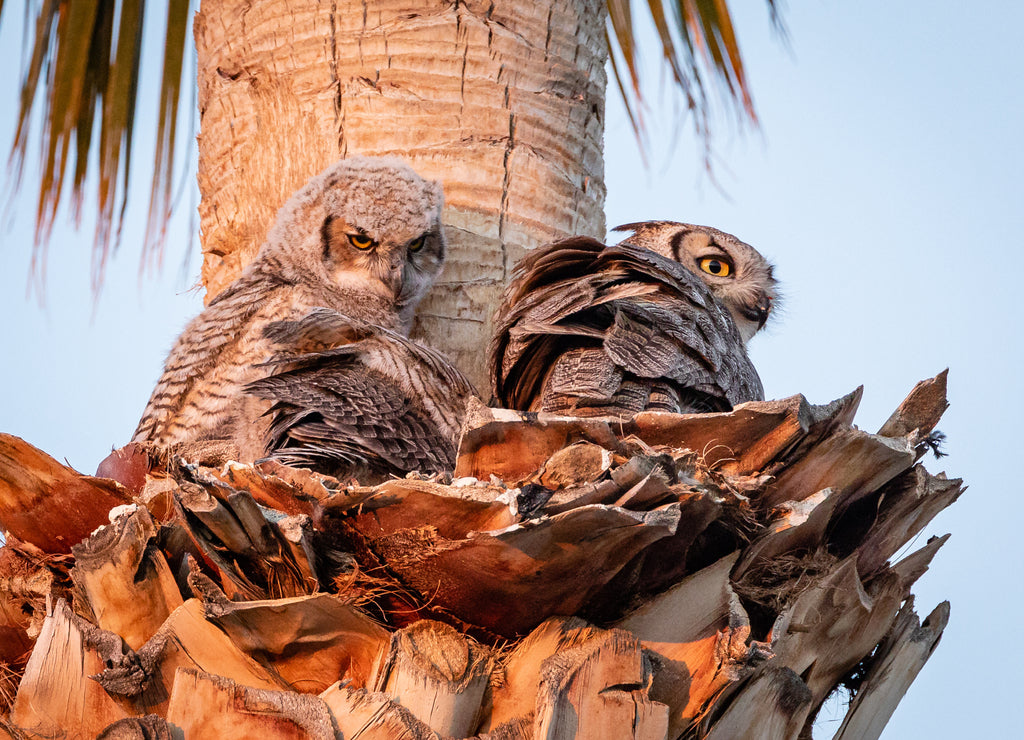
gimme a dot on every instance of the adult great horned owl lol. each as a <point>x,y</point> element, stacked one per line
<point>363,237</point>
<point>737,274</point>
<point>353,399</point>
<point>657,322</point>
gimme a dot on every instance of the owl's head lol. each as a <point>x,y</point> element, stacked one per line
<point>737,274</point>
<point>365,225</point>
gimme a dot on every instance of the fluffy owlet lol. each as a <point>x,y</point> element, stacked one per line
<point>353,399</point>
<point>363,237</point>
<point>657,322</point>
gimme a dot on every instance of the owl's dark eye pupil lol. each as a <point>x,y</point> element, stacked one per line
<point>715,266</point>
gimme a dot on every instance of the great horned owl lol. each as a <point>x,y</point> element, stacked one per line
<point>591,330</point>
<point>363,237</point>
<point>353,399</point>
<point>737,274</point>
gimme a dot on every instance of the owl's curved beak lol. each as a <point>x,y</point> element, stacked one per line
<point>395,273</point>
<point>758,311</point>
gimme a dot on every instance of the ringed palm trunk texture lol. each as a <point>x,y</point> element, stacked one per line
<point>502,101</point>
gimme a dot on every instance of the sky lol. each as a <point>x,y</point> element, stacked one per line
<point>886,174</point>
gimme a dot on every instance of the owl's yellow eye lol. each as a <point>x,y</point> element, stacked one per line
<point>360,241</point>
<point>716,266</point>
<point>417,244</point>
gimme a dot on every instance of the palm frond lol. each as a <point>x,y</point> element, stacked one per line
<point>84,67</point>
<point>170,95</point>
<point>698,47</point>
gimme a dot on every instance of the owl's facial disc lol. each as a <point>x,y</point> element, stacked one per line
<point>356,260</point>
<point>753,305</point>
<point>745,296</point>
<point>736,273</point>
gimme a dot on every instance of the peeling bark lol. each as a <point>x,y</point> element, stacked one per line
<point>48,504</point>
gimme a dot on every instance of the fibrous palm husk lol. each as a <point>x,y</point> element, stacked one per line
<point>708,575</point>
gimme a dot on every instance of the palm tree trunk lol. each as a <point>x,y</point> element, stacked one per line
<point>502,101</point>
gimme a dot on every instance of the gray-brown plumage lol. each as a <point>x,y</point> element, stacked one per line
<point>364,237</point>
<point>353,399</point>
<point>736,273</point>
<point>591,330</point>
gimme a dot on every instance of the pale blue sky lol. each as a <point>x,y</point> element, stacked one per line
<point>885,184</point>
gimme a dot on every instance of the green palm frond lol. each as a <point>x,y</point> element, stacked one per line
<point>699,49</point>
<point>84,67</point>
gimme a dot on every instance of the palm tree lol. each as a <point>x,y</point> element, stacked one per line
<point>788,538</point>
<point>502,101</point>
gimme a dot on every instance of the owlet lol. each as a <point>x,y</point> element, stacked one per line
<point>362,238</point>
